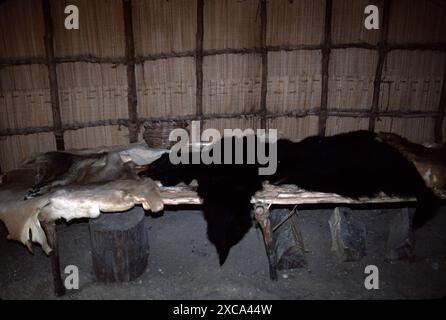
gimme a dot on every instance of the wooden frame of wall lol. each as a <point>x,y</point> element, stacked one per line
<point>383,47</point>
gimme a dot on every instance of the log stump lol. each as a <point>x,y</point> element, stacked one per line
<point>401,240</point>
<point>347,235</point>
<point>287,240</point>
<point>120,246</point>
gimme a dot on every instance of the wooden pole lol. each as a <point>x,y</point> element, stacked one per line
<point>50,231</point>
<point>264,85</point>
<point>438,131</point>
<point>262,216</point>
<point>132,100</point>
<point>90,58</point>
<point>294,113</point>
<point>382,54</point>
<point>326,49</point>
<point>52,75</point>
<point>199,60</point>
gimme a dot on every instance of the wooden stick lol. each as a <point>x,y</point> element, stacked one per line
<point>199,60</point>
<point>438,131</point>
<point>10,61</point>
<point>299,113</point>
<point>264,85</point>
<point>50,231</point>
<point>326,48</point>
<point>382,54</point>
<point>292,195</point>
<point>283,195</point>
<point>292,212</point>
<point>262,217</point>
<point>52,74</point>
<point>132,100</point>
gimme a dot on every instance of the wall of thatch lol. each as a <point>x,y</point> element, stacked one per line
<point>91,92</point>
<point>101,33</point>
<point>262,63</point>
<point>163,26</point>
<point>295,128</point>
<point>166,87</point>
<point>294,80</point>
<point>21,29</point>
<point>17,148</point>
<point>294,22</point>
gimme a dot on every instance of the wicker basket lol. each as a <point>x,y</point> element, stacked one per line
<point>156,134</point>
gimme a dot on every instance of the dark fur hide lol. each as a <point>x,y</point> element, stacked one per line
<point>226,191</point>
<point>353,164</point>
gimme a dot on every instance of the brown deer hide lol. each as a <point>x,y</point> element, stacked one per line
<point>23,218</point>
<point>429,161</point>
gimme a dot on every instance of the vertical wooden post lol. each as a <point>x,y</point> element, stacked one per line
<point>287,239</point>
<point>438,134</point>
<point>132,101</point>
<point>348,235</point>
<point>401,239</point>
<point>326,49</point>
<point>264,85</point>
<point>50,231</point>
<point>382,54</point>
<point>199,60</point>
<point>262,216</point>
<point>52,75</point>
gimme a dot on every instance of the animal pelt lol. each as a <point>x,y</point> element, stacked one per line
<point>88,166</point>
<point>429,161</point>
<point>74,202</point>
<point>226,191</point>
<point>57,169</point>
<point>353,164</point>
<point>75,184</point>
<point>20,217</point>
<point>23,217</point>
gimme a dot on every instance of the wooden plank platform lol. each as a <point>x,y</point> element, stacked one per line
<point>270,194</point>
<point>179,195</point>
<point>281,195</point>
<point>292,195</point>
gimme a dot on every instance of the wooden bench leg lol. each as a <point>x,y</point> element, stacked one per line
<point>401,240</point>
<point>287,239</point>
<point>347,235</point>
<point>119,245</point>
<point>50,230</point>
<point>262,218</point>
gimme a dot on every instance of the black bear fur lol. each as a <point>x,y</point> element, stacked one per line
<point>352,164</point>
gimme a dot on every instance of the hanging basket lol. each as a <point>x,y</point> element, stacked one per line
<point>156,134</point>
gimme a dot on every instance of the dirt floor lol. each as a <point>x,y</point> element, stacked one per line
<point>183,264</point>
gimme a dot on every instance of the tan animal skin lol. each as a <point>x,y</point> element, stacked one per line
<point>429,161</point>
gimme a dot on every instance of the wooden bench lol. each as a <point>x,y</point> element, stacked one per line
<point>262,202</point>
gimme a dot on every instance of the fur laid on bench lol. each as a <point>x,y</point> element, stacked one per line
<point>353,165</point>
<point>75,184</point>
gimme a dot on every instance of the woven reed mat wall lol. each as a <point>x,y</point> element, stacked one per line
<point>259,63</point>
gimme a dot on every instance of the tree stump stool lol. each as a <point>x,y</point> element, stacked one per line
<point>348,235</point>
<point>401,240</point>
<point>287,240</point>
<point>120,245</point>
